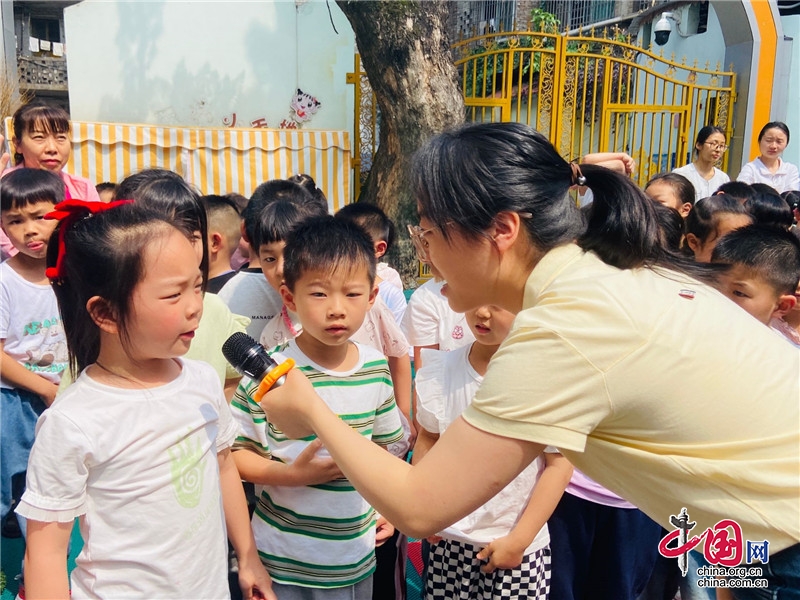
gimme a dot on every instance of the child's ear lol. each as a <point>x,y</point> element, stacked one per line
<point>102,315</point>
<point>686,208</point>
<point>692,242</point>
<point>786,302</point>
<point>214,241</point>
<point>373,295</point>
<point>380,248</point>
<point>244,233</point>
<point>288,298</point>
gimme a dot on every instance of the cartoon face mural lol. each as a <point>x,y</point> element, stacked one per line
<point>304,106</point>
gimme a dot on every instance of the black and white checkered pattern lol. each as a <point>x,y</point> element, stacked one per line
<point>455,572</point>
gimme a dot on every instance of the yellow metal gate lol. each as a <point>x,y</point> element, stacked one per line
<point>589,93</point>
<point>595,94</point>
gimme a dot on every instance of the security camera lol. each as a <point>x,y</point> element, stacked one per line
<point>662,29</point>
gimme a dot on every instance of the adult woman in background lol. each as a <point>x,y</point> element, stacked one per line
<point>613,344</point>
<point>42,141</point>
<point>709,147</point>
<point>769,167</point>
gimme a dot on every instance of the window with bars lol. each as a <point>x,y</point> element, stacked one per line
<point>577,13</point>
<point>486,16</point>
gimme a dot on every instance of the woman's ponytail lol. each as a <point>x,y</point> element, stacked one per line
<point>624,230</point>
<point>622,226</point>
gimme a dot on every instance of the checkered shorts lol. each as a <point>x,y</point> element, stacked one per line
<point>454,572</point>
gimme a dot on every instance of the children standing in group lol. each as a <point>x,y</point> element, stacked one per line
<point>319,534</point>
<point>31,335</point>
<point>763,275</point>
<point>247,293</point>
<point>171,197</point>
<point>709,220</point>
<point>379,329</point>
<point>137,448</point>
<point>501,549</point>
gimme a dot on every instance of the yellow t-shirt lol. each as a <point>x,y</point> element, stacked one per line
<point>657,387</point>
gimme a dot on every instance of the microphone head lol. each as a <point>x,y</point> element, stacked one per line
<point>247,356</point>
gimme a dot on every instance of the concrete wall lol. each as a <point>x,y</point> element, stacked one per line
<point>791,28</point>
<point>172,62</point>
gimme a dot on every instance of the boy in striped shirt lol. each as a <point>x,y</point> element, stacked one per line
<point>315,533</point>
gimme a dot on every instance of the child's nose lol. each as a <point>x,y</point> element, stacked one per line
<point>335,307</point>
<point>195,308</point>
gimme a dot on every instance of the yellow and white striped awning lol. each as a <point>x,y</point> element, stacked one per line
<point>216,161</point>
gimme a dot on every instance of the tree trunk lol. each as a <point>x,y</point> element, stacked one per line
<point>405,52</point>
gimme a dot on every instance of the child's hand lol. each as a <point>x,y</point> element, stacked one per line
<point>255,582</point>
<point>49,393</point>
<point>383,531</point>
<point>310,469</point>
<point>433,539</point>
<point>4,158</point>
<point>502,553</point>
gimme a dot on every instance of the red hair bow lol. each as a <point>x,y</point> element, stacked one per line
<point>68,213</point>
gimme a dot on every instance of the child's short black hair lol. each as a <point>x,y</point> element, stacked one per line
<point>223,216</point>
<point>266,193</point>
<point>279,217</point>
<point>22,187</point>
<point>739,190</point>
<point>326,243</point>
<point>768,208</point>
<point>702,221</point>
<point>306,181</point>
<point>106,186</point>
<point>372,219</point>
<point>770,252</point>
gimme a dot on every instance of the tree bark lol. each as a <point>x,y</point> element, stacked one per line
<point>405,52</point>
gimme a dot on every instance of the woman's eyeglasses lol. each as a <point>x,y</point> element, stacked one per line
<point>716,146</point>
<point>417,235</point>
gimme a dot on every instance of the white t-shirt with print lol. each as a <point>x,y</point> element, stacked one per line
<point>139,468</point>
<point>445,386</point>
<point>429,320</point>
<point>30,324</point>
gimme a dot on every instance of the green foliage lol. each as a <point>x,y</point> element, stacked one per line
<point>2,581</point>
<point>483,76</point>
<point>543,21</point>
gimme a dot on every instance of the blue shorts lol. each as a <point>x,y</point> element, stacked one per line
<point>19,411</point>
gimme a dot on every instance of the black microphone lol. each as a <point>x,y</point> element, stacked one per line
<point>250,358</point>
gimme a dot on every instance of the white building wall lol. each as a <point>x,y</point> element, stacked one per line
<point>791,28</point>
<point>172,62</point>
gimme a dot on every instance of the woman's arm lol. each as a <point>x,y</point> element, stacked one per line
<point>46,560</point>
<point>461,472</point>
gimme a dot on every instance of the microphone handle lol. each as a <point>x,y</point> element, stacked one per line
<point>275,377</point>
